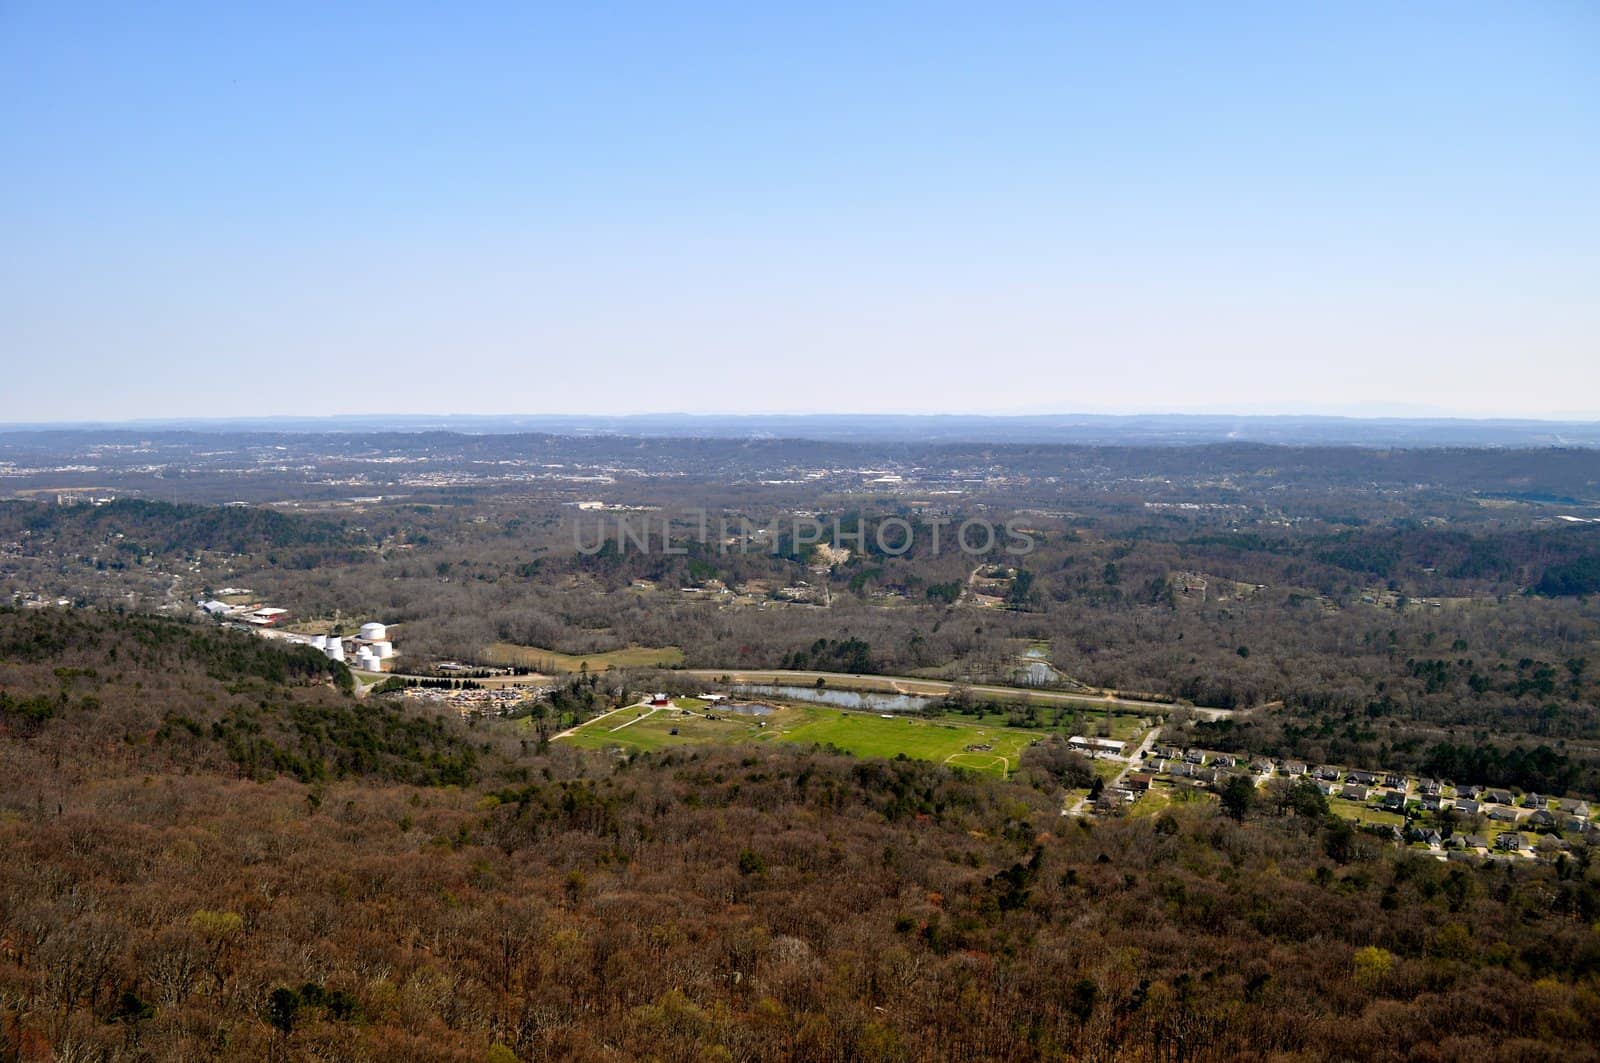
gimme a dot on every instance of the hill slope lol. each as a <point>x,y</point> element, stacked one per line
<point>163,897</point>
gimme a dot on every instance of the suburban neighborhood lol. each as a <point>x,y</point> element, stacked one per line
<point>1450,821</point>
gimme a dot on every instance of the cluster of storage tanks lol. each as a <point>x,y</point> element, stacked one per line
<point>372,647</point>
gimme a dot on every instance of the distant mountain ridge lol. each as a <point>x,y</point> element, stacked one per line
<point>1102,429</point>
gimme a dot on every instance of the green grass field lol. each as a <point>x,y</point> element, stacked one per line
<point>1158,798</point>
<point>1364,814</point>
<point>509,653</point>
<point>1107,769</point>
<point>644,730</point>
<point>944,741</point>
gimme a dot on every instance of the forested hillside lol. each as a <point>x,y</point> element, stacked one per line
<point>130,531</point>
<point>165,894</point>
<point>80,691</point>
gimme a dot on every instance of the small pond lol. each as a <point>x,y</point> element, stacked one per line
<point>845,699</point>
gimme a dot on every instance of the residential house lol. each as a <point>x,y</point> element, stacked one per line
<point>1396,782</point>
<point>1354,792</point>
<point>1498,797</point>
<point>1512,842</point>
<point>1574,806</point>
<point>1365,778</point>
<point>1430,788</point>
<point>1503,814</point>
<point>1328,773</point>
<point>1261,766</point>
<point>1394,801</point>
<point>1467,806</point>
<point>1533,801</point>
<point>1543,818</point>
<point>1138,782</point>
<point>1194,756</point>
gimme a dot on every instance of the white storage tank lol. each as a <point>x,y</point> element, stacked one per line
<point>374,632</point>
<point>382,649</point>
<point>368,660</point>
<point>320,642</point>
<point>335,650</point>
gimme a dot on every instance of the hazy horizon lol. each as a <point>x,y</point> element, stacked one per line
<point>1357,413</point>
<point>1399,415</point>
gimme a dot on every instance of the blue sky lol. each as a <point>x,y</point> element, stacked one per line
<point>1352,208</point>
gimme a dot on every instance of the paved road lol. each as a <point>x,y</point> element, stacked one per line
<point>569,732</point>
<point>1134,758</point>
<point>893,684</point>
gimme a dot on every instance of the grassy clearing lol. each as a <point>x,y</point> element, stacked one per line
<point>549,661</point>
<point>645,730</point>
<point>1124,727</point>
<point>862,734</point>
<point>1157,798</point>
<point>1107,769</point>
<point>1364,814</point>
<point>946,741</point>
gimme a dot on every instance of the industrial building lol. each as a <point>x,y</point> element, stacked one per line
<point>370,649</point>
<point>266,616</point>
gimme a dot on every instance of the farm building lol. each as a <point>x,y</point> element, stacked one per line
<point>266,616</point>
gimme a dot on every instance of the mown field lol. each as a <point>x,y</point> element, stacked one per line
<point>509,653</point>
<point>945,741</point>
<point>1363,813</point>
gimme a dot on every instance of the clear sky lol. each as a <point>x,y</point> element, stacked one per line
<point>616,207</point>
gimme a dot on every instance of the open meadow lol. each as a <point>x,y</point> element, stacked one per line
<point>989,748</point>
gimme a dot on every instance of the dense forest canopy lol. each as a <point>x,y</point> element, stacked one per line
<point>164,897</point>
